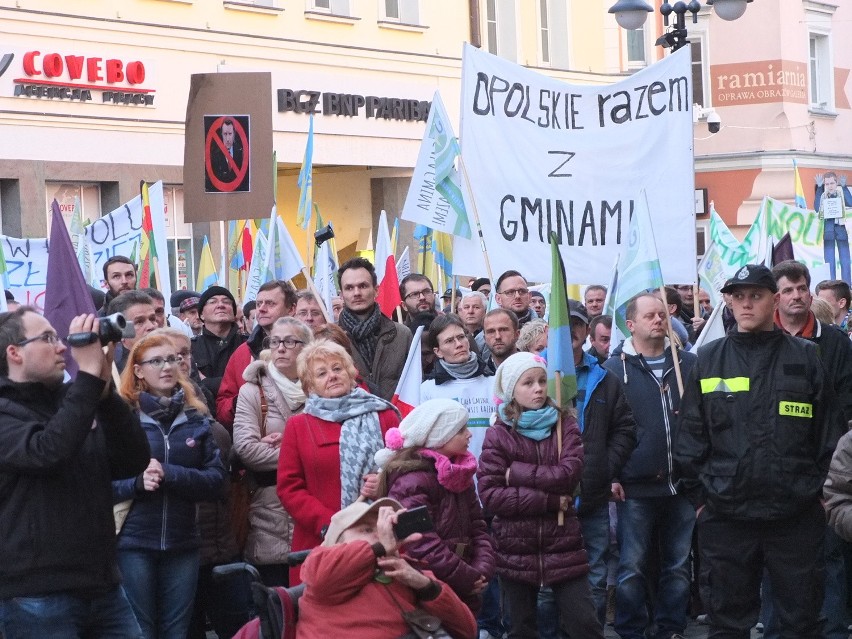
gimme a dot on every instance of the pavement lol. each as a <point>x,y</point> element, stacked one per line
<point>693,631</point>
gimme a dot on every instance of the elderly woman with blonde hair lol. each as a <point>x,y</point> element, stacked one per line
<point>326,459</point>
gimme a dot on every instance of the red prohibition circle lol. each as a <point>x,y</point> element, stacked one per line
<point>212,137</point>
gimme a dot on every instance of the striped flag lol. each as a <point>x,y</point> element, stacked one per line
<point>560,355</point>
<point>447,181</point>
<point>800,191</point>
<point>306,182</point>
<point>207,275</point>
<point>383,246</point>
<point>148,267</point>
<point>407,394</point>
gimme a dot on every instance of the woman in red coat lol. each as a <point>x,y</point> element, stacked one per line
<point>326,459</point>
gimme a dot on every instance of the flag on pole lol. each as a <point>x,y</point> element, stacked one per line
<point>714,328</point>
<point>407,394</point>
<point>207,275</point>
<point>66,293</point>
<point>403,265</point>
<point>78,239</point>
<point>306,195</point>
<point>423,235</point>
<point>257,273</point>
<point>283,260</point>
<point>447,149</point>
<point>638,264</point>
<point>148,268</point>
<point>800,191</point>
<point>395,235</point>
<point>387,295</point>
<point>560,355</point>
<point>383,246</point>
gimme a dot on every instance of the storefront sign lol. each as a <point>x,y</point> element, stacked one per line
<point>82,78</point>
<point>352,104</point>
<point>759,82</point>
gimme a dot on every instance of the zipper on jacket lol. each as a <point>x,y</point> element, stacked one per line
<point>540,527</point>
<point>165,494</point>
<point>668,405</point>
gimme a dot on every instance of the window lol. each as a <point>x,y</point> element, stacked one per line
<point>553,32</point>
<point>698,73</point>
<point>335,7</point>
<point>67,194</point>
<point>403,11</point>
<point>636,47</point>
<point>819,66</point>
<point>501,28</point>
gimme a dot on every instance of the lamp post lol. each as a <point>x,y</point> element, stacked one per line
<point>631,14</point>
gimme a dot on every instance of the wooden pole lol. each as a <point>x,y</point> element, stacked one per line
<point>560,518</point>
<point>476,220</point>
<point>670,330</point>
<point>696,305</point>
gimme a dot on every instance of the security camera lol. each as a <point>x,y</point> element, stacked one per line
<point>714,122</point>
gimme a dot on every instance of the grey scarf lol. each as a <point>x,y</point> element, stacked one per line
<point>364,333</point>
<point>360,434</point>
<point>465,370</point>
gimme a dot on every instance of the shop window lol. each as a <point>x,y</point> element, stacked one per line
<point>66,194</point>
<point>501,28</point>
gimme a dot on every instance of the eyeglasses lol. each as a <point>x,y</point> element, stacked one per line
<point>413,295</point>
<point>47,337</point>
<point>288,342</point>
<point>512,292</point>
<point>454,339</point>
<point>160,362</point>
<point>184,354</point>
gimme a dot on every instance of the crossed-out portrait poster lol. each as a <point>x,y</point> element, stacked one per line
<point>228,149</point>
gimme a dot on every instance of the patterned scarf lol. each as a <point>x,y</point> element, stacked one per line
<point>163,409</point>
<point>364,333</point>
<point>360,434</point>
<point>456,474</point>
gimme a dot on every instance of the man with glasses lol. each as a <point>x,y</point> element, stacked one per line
<point>138,309</point>
<point>513,294</point>
<point>418,294</point>
<point>60,448</point>
<point>275,299</point>
<point>308,309</point>
<point>219,338</point>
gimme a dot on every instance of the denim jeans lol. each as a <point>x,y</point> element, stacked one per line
<point>673,518</point>
<point>161,587</point>
<point>836,234</point>
<point>492,616</point>
<point>66,615</point>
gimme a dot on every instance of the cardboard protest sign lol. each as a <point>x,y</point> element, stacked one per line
<point>228,153</point>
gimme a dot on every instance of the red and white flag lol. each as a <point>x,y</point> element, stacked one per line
<point>407,395</point>
<point>387,294</point>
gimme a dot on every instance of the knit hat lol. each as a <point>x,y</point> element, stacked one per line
<point>215,290</point>
<point>430,425</point>
<point>352,514</point>
<point>510,371</point>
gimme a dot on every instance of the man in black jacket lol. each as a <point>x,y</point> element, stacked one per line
<point>758,426</point>
<point>609,436</point>
<point>219,338</point>
<point>60,447</point>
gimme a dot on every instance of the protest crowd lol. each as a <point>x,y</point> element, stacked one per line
<point>670,484</point>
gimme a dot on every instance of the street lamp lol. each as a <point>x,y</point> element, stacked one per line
<point>631,14</point>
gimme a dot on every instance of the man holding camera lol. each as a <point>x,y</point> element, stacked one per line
<point>60,448</point>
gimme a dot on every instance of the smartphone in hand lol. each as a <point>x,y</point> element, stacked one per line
<point>416,520</point>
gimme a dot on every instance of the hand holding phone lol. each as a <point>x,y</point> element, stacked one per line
<point>416,520</point>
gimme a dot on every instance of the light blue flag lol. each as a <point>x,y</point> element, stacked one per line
<point>306,181</point>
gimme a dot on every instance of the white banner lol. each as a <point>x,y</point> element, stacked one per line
<point>117,233</point>
<point>542,155</point>
<point>26,261</point>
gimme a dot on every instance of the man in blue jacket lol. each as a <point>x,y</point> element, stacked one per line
<point>60,445</point>
<point>651,513</point>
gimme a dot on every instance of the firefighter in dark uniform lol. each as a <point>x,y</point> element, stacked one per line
<point>758,426</point>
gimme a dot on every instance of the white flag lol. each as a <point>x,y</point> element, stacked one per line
<point>403,265</point>
<point>383,247</point>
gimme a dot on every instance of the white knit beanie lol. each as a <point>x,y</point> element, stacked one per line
<point>430,425</point>
<point>510,371</point>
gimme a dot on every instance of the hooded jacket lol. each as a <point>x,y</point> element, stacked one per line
<point>648,471</point>
<point>59,450</point>
<point>758,427</point>
<point>193,471</point>
<point>459,550</point>
<point>531,546</point>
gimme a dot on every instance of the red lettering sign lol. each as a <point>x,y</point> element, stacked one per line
<point>100,73</point>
